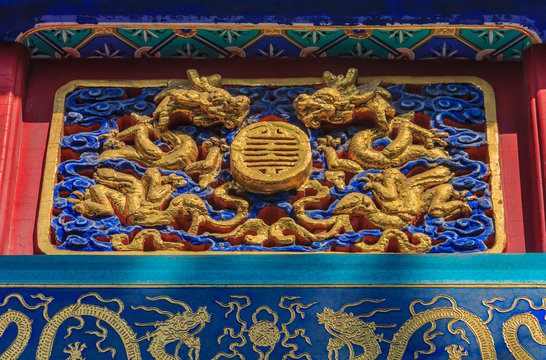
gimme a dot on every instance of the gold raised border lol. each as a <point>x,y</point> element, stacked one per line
<point>274,28</point>
<point>56,129</point>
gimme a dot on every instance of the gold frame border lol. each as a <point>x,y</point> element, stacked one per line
<point>56,129</point>
<point>275,27</point>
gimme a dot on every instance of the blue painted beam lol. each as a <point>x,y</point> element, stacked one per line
<point>275,269</point>
<point>17,16</point>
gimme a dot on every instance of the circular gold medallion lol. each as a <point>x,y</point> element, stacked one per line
<point>271,156</point>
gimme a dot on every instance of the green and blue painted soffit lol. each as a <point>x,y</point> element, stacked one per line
<point>474,30</point>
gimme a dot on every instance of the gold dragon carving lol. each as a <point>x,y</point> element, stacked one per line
<point>204,103</point>
<point>349,330</point>
<point>180,328</point>
<point>397,199</point>
<point>401,199</point>
<point>340,100</point>
<point>454,314</point>
<point>511,326</point>
<point>265,332</point>
<point>143,202</point>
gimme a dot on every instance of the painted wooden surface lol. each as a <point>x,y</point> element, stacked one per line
<point>17,16</point>
<point>13,75</point>
<point>46,77</point>
<point>275,269</point>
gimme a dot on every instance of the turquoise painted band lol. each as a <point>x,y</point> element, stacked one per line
<point>307,269</point>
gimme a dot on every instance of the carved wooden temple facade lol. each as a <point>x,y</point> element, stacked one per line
<point>272,181</point>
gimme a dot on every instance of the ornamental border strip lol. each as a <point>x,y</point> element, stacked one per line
<point>399,41</point>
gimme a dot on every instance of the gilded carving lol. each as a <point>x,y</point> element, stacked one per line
<point>401,199</point>
<point>133,199</point>
<point>453,313</point>
<point>251,329</point>
<point>264,333</point>
<point>200,165</point>
<point>75,351</point>
<point>204,102</point>
<point>341,100</point>
<point>348,330</point>
<point>268,157</point>
<point>180,328</point>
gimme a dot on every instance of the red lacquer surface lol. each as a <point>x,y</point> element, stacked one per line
<point>13,70</point>
<point>535,65</point>
<point>519,168</point>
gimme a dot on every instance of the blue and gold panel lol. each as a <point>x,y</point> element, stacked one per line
<point>338,164</point>
<point>248,322</point>
<point>479,42</point>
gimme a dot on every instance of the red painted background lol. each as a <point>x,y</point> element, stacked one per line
<point>520,93</point>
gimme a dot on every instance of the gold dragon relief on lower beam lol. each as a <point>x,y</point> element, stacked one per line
<point>180,328</point>
<point>247,330</point>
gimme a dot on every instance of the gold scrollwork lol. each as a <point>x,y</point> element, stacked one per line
<point>264,332</point>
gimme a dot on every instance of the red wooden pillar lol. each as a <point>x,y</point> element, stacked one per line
<point>535,69</point>
<point>13,69</point>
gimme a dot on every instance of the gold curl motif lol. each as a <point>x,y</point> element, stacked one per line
<point>510,334</point>
<point>490,307</point>
<point>24,330</point>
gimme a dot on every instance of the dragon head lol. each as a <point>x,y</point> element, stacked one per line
<point>355,203</point>
<point>325,105</point>
<point>341,99</point>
